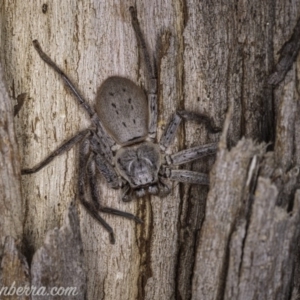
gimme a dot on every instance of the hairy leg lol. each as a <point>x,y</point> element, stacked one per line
<point>170,131</point>
<point>84,153</point>
<point>152,95</point>
<point>187,176</point>
<point>95,195</point>
<point>191,154</point>
<point>63,148</point>
<point>65,78</point>
<point>163,188</point>
<point>107,170</point>
<point>126,193</point>
<point>105,138</point>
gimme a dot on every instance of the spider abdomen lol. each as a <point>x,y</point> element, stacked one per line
<point>123,110</point>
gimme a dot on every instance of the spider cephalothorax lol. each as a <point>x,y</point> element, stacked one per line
<point>122,144</point>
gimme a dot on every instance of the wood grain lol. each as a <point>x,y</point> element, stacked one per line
<point>221,243</point>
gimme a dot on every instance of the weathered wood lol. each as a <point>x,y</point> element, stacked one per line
<point>58,265</point>
<point>15,273</point>
<point>11,205</point>
<point>212,54</point>
<point>248,243</point>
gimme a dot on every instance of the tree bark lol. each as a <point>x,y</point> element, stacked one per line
<point>239,240</point>
<point>11,205</point>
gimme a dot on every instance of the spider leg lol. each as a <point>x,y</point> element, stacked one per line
<point>152,103</point>
<point>187,176</point>
<point>63,148</point>
<point>105,138</point>
<point>90,207</point>
<point>65,78</point>
<point>141,42</point>
<point>126,193</point>
<point>170,131</point>
<point>108,171</point>
<point>121,213</point>
<point>104,166</point>
<point>152,95</point>
<point>95,195</point>
<point>191,154</point>
<point>163,188</point>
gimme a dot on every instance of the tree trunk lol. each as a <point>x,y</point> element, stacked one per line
<point>239,240</point>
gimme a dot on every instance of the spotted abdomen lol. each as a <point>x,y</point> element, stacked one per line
<point>123,110</point>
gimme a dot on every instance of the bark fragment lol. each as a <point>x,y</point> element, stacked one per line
<point>59,262</point>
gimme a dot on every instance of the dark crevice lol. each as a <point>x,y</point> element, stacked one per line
<point>144,231</point>
<point>27,249</point>
<point>268,118</point>
<point>144,238</point>
<point>244,214</point>
<point>242,117</point>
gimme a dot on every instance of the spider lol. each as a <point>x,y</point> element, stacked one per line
<point>121,145</point>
